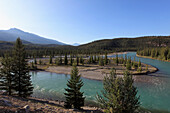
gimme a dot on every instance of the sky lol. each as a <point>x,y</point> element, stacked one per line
<point>83,21</point>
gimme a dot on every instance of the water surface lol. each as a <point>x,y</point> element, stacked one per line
<point>154,89</point>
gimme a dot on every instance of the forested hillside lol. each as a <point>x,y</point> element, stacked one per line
<point>96,47</point>
<point>125,44</point>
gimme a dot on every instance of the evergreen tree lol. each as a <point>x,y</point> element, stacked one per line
<point>32,65</point>
<point>139,63</point>
<point>6,75</point>
<point>50,60</point>
<point>57,61</point>
<point>71,60</point>
<point>74,98</point>
<point>101,63</point>
<point>35,60</point>
<point>117,60</point>
<point>77,60</point>
<point>65,59</point>
<point>125,58</point>
<point>40,62</point>
<point>105,59</point>
<point>20,69</point>
<point>119,94</point>
<point>60,60</point>
<point>128,66</point>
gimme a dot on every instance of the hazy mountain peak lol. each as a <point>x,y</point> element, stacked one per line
<point>76,44</point>
<point>13,33</point>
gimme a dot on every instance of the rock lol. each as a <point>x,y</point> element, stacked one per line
<point>27,108</point>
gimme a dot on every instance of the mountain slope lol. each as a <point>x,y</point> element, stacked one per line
<point>125,43</point>
<point>13,33</point>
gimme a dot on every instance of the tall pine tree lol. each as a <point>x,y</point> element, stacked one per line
<point>65,59</point>
<point>74,98</point>
<point>105,59</point>
<point>22,79</point>
<point>6,75</point>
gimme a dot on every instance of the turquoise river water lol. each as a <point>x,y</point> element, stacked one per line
<point>154,89</point>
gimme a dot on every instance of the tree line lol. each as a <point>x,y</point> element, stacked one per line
<point>158,53</point>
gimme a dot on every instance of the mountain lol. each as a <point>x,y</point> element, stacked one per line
<point>12,34</point>
<point>76,44</point>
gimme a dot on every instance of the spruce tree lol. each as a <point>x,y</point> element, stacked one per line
<point>40,61</point>
<point>105,59</point>
<point>65,60</point>
<point>6,75</point>
<point>57,61</point>
<point>101,63</point>
<point>71,60</point>
<point>119,94</point>
<point>35,60</point>
<point>139,63</point>
<point>50,60</point>
<point>22,79</point>
<point>117,60</point>
<point>77,60</point>
<point>60,60</point>
<point>74,98</point>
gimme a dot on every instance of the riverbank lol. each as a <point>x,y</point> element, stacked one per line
<point>15,104</point>
<point>152,58</point>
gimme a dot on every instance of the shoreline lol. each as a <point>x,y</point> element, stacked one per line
<point>94,73</point>
<point>151,58</point>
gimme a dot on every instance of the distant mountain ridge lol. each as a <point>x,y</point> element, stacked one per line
<point>12,34</point>
<point>76,44</point>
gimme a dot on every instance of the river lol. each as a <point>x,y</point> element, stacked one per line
<point>154,89</point>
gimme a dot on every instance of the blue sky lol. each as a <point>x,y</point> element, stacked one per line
<point>82,21</point>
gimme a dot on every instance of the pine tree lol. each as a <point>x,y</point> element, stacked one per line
<point>119,94</point>
<point>128,65</point>
<point>101,63</point>
<point>6,75</point>
<point>40,62</point>
<point>139,63</point>
<point>20,69</point>
<point>35,60</point>
<point>32,65</point>
<point>60,60</point>
<point>74,98</point>
<point>65,59</point>
<point>50,60</point>
<point>77,60</point>
<point>57,61</point>
<point>105,59</point>
<point>125,58</point>
<point>117,60</point>
<point>71,60</point>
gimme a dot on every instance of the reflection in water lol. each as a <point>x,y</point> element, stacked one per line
<point>154,89</point>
